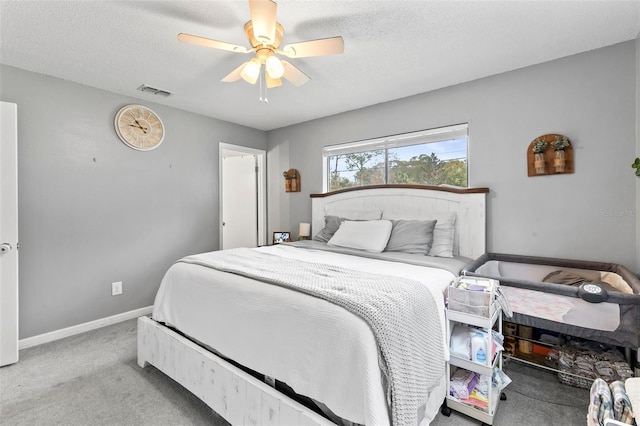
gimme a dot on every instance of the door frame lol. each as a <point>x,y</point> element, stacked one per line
<point>261,161</point>
<point>9,332</point>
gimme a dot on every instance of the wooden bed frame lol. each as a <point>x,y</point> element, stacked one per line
<point>241,398</point>
<point>235,395</point>
<point>414,202</point>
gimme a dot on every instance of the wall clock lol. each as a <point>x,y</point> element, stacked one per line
<point>139,127</point>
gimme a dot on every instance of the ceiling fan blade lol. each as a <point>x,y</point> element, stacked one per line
<point>294,75</point>
<point>272,82</point>
<point>263,16</point>
<point>234,75</point>
<point>207,42</point>
<point>320,47</point>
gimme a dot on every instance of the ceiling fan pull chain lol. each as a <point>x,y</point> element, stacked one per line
<point>266,100</point>
<point>263,86</point>
<point>260,78</point>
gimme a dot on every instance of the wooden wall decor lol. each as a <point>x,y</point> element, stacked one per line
<point>291,180</point>
<point>549,154</point>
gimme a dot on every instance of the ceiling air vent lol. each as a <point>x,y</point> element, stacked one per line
<point>145,88</point>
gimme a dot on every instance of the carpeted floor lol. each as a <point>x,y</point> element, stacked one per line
<point>94,379</point>
<point>535,397</point>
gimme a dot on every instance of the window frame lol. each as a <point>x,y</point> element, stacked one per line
<point>438,134</point>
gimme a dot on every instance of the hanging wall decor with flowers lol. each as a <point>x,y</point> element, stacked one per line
<point>291,180</point>
<point>549,155</point>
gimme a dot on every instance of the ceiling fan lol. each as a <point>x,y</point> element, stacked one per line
<point>265,34</point>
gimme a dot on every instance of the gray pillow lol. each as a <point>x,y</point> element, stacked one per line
<point>331,225</point>
<point>443,237</point>
<point>411,236</point>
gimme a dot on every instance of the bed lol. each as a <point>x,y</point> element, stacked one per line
<point>559,307</point>
<point>243,347</point>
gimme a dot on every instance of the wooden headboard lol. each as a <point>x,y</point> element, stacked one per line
<point>414,202</point>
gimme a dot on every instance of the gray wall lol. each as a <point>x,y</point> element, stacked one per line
<point>93,211</point>
<point>589,97</point>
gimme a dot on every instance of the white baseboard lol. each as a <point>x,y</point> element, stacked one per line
<point>81,328</point>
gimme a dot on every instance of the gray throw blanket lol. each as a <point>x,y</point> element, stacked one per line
<point>401,313</point>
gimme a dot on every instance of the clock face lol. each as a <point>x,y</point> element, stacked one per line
<point>139,127</point>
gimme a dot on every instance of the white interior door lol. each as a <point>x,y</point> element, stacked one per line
<point>243,196</point>
<point>8,233</point>
<point>239,201</point>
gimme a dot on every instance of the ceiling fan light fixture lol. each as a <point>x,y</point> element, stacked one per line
<point>274,67</point>
<point>251,71</point>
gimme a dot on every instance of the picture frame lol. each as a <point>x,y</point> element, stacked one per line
<point>281,237</point>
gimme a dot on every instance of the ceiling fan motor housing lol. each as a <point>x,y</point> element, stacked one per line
<point>257,44</point>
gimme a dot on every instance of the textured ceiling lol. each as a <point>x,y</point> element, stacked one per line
<point>393,49</point>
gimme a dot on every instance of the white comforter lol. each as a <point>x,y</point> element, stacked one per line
<point>319,349</point>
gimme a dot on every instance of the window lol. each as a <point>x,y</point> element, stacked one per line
<point>429,157</point>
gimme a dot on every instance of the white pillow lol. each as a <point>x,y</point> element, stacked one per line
<point>355,214</point>
<point>443,237</point>
<point>368,235</point>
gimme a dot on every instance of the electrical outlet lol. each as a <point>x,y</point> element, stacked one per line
<point>116,288</point>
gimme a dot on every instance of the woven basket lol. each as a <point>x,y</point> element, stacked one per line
<point>575,381</point>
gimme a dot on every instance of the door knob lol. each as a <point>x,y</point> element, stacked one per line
<point>5,248</point>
